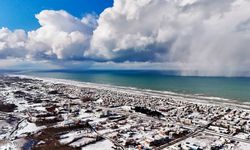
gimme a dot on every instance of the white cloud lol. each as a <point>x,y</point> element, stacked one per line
<point>204,36</point>
<point>61,35</point>
<point>12,44</point>
<point>198,37</point>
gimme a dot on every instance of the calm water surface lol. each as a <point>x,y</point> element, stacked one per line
<point>233,88</point>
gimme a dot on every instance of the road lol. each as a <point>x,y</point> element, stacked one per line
<point>194,129</point>
<point>227,136</point>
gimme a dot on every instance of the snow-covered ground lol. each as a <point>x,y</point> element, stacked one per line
<point>57,111</point>
<point>25,128</point>
<point>101,145</point>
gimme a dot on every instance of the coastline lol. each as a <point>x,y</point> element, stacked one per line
<point>209,100</point>
<point>64,114</point>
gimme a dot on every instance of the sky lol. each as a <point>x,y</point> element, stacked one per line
<point>193,37</point>
<point>20,14</point>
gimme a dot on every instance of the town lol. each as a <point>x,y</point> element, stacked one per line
<point>39,114</point>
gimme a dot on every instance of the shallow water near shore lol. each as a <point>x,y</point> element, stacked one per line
<point>236,88</point>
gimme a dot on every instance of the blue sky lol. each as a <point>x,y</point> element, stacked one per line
<point>20,14</point>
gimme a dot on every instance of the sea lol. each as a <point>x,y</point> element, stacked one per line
<point>233,88</point>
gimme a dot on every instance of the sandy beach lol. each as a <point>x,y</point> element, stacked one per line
<point>185,97</point>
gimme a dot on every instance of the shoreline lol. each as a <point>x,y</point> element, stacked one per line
<point>65,114</point>
<point>209,100</point>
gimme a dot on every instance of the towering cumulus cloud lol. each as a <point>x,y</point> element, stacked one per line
<point>198,37</point>
<point>12,44</point>
<point>61,36</point>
